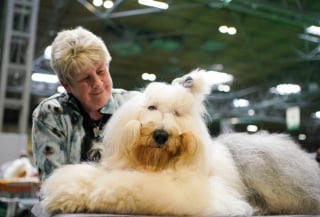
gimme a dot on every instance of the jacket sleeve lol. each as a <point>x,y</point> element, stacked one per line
<point>51,144</point>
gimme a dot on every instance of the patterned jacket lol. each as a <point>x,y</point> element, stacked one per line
<point>57,130</point>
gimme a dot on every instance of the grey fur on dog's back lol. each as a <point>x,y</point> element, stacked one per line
<point>279,176</point>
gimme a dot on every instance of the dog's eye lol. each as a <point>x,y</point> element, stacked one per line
<point>176,113</point>
<point>152,107</point>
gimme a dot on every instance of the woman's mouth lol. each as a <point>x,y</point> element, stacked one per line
<point>97,93</point>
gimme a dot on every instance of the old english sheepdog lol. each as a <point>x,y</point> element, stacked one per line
<point>160,159</point>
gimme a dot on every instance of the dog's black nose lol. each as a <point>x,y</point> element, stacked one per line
<point>160,136</point>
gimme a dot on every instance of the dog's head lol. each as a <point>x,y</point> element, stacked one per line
<point>162,127</point>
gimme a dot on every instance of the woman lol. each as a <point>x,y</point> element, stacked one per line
<point>66,125</point>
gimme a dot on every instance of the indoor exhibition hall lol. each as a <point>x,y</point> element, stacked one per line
<point>159,108</point>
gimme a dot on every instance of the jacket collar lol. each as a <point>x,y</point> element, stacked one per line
<point>108,108</point>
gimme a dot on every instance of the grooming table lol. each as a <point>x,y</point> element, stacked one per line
<point>115,215</point>
<point>99,215</point>
<point>38,212</point>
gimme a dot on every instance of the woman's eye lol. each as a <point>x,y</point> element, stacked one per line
<point>100,72</point>
<point>152,107</point>
<point>84,78</point>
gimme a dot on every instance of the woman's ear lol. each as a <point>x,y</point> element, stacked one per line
<point>65,85</point>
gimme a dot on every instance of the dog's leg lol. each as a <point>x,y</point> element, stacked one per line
<point>179,193</point>
<point>115,192</point>
<point>227,201</point>
<point>68,188</point>
<point>227,190</point>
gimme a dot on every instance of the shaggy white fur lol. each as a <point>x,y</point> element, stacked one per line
<point>159,159</point>
<point>18,168</point>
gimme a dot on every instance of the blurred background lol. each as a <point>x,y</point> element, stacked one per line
<point>264,57</point>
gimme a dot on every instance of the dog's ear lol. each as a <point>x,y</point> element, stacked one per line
<point>196,81</point>
<point>190,147</point>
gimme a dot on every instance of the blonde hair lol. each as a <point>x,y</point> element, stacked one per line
<point>74,49</point>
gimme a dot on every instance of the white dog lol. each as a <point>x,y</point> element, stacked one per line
<point>18,168</point>
<point>159,159</point>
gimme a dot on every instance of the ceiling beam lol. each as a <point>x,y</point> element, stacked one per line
<point>274,12</point>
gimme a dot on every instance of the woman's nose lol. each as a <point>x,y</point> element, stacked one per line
<point>96,82</point>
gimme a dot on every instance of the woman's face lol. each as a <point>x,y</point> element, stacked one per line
<point>92,86</point>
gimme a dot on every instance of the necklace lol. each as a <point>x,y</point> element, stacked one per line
<point>96,128</point>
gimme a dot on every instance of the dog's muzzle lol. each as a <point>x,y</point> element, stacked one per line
<point>160,136</point>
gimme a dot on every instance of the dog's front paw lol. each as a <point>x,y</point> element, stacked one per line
<point>115,192</point>
<point>64,202</point>
<point>68,188</point>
